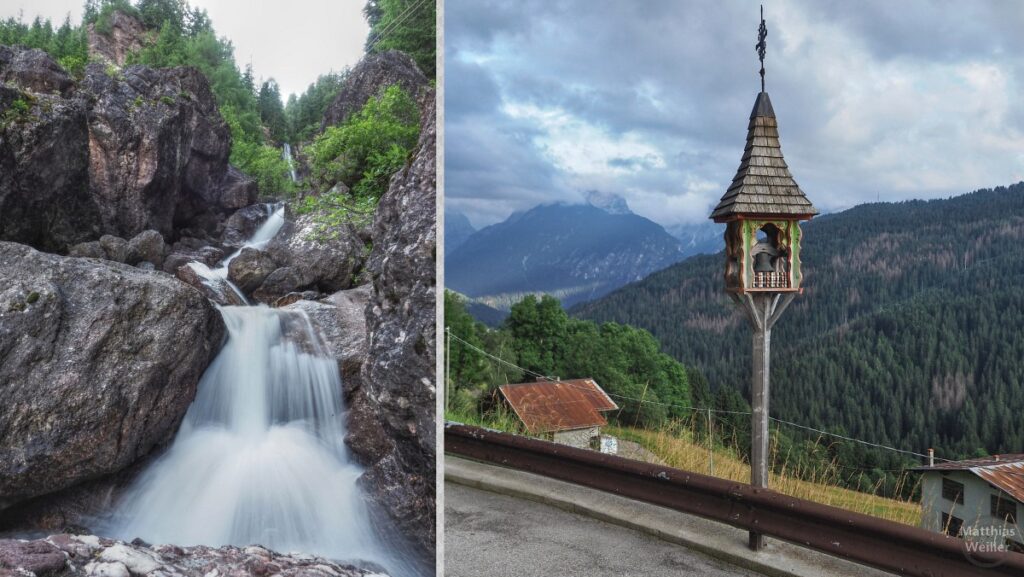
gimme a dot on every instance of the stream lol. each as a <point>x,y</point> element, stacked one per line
<point>260,456</point>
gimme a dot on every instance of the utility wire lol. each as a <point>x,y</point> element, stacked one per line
<point>695,409</point>
<point>400,19</point>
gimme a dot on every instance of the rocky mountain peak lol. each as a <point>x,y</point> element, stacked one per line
<point>608,202</point>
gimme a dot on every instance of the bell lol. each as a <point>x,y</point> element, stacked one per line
<point>763,262</point>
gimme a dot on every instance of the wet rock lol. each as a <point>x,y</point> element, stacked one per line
<point>146,265</point>
<point>291,298</point>
<point>148,245</point>
<point>94,377</point>
<point>374,73</point>
<point>91,249</point>
<point>115,247</point>
<point>208,255</point>
<point>280,282</point>
<point>327,263</point>
<point>91,556</point>
<point>341,320</point>
<point>250,268</point>
<point>123,37</point>
<point>39,557</point>
<point>243,223</point>
<point>218,292</point>
<point>392,424</point>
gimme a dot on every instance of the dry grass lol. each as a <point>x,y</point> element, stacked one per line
<point>681,453</point>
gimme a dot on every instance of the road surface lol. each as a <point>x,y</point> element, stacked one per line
<point>492,535</point>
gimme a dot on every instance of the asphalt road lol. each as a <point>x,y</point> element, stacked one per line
<point>492,535</point>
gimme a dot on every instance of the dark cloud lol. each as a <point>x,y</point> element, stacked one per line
<point>650,100</point>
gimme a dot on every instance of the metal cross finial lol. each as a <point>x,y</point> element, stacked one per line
<point>762,33</point>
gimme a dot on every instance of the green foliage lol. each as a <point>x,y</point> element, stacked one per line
<point>305,112</point>
<point>262,162</point>
<point>539,336</point>
<point>68,44</point>
<point>272,112</point>
<point>18,110</point>
<point>335,210</point>
<point>370,146</point>
<point>406,25</point>
<point>908,333</point>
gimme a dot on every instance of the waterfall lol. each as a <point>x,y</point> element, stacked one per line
<point>287,154</point>
<point>260,456</point>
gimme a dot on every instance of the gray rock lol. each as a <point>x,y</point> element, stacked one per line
<point>250,268</point>
<point>241,225</point>
<point>237,190</point>
<point>94,376</point>
<point>115,247</point>
<point>148,245</point>
<point>91,249</point>
<point>341,320</point>
<point>145,265</point>
<point>321,263</point>
<point>368,78</point>
<point>220,293</point>
<point>391,423</point>
<point>45,199</point>
<point>124,37</point>
<point>280,282</point>
<point>208,255</point>
<point>65,555</point>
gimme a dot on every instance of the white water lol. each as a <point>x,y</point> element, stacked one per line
<point>260,457</point>
<point>217,278</point>
<point>287,153</point>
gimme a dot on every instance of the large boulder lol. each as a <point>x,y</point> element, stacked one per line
<point>66,555</point>
<point>122,36</point>
<point>374,73</point>
<point>341,320</point>
<point>147,246</point>
<point>94,375</point>
<point>391,422</point>
<point>325,261</point>
<point>44,155</point>
<point>250,268</point>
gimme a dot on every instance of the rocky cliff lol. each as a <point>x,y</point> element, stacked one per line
<point>392,426</point>
<point>373,73</point>
<point>117,153</point>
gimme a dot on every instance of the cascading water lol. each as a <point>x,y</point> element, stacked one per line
<point>287,153</point>
<point>260,456</point>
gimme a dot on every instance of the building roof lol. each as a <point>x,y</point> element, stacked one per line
<point>547,406</point>
<point>1005,472</point>
<point>763,185</point>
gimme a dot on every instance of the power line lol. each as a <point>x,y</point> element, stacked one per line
<point>695,409</point>
<point>391,27</point>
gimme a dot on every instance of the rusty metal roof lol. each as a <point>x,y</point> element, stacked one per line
<point>547,406</point>
<point>1005,472</point>
<point>763,185</point>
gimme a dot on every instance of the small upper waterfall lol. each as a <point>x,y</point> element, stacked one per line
<point>260,457</point>
<point>287,154</point>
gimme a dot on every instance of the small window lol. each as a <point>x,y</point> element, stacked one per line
<point>953,491</point>
<point>951,525</point>
<point>1014,547</point>
<point>1004,508</point>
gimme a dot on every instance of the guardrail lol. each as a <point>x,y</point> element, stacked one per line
<point>889,546</point>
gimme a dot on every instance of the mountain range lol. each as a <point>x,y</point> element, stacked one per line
<point>574,252</point>
<point>909,332</point>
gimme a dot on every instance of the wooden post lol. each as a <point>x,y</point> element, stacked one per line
<point>759,405</point>
<point>763,310</point>
<point>711,445</point>
<point>447,367</point>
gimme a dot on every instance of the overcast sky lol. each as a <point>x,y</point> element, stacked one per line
<point>875,99</point>
<point>292,41</point>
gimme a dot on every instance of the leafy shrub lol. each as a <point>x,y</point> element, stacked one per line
<point>370,146</point>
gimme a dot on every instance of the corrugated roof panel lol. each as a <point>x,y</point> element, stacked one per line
<point>547,406</point>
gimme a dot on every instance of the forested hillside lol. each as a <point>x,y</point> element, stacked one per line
<point>910,331</point>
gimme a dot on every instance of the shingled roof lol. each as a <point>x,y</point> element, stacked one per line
<point>763,185</point>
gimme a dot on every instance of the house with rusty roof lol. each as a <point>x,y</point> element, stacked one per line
<point>568,412</point>
<point>980,500</point>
